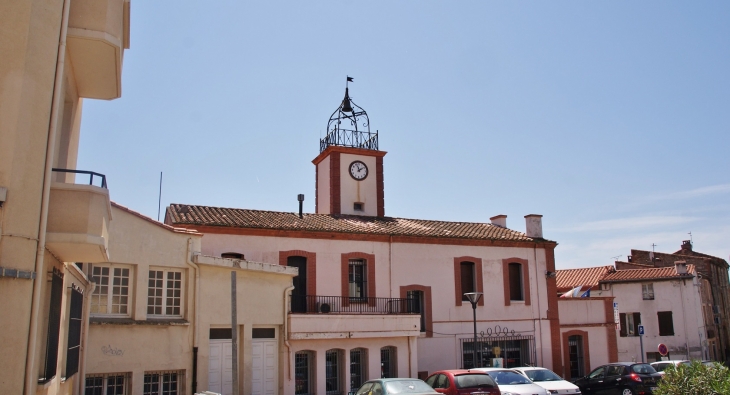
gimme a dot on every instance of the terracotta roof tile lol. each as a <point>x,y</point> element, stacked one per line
<point>660,273</point>
<point>568,279</point>
<point>158,223</point>
<point>189,215</point>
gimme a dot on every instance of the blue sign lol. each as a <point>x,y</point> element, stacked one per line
<point>641,329</point>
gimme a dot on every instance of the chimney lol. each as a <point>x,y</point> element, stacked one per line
<point>499,220</point>
<point>300,197</point>
<point>533,225</point>
<point>680,267</point>
<point>686,245</point>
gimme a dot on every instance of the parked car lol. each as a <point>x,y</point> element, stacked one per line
<point>395,386</point>
<point>510,382</point>
<point>622,378</point>
<point>547,379</point>
<point>462,382</point>
<point>660,366</point>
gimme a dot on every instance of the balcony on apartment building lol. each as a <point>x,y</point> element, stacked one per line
<point>98,33</point>
<point>333,317</point>
<point>78,216</point>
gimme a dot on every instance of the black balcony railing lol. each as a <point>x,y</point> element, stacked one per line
<point>350,138</point>
<point>90,173</point>
<point>313,304</point>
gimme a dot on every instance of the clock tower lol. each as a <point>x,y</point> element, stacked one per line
<point>349,165</point>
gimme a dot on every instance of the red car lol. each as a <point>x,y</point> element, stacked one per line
<point>462,382</point>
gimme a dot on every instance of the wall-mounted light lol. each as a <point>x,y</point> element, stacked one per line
<point>549,274</point>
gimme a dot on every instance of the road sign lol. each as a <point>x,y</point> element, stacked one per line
<point>663,350</point>
<point>641,330</point>
<point>615,305</point>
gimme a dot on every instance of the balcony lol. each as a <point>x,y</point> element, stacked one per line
<point>332,317</point>
<point>78,218</point>
<point>98,33</point>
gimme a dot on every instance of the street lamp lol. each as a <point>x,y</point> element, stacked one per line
<point>474,299</point>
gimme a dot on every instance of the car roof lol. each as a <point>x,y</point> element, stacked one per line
<point>530,368</point>
<point>494,369</point>
<point>675,361</point>
<point>459,371</point>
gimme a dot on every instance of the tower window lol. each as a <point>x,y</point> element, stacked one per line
<point>359,206</point>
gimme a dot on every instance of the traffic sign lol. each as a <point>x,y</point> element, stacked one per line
<point>641,330</point>
<point>663,350</point>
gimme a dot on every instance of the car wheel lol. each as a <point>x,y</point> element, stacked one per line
<point>628,391</point>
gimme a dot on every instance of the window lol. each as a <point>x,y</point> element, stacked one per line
<point>358,362</point>
<point>417,306</point>
<point>74,331</point>
<point>163,383</point>
<point>332,372</point>
<point>54,326</point>
<point>303,373</point>
<point>515,282</point>
<point>107,384</point>
<point>666,325</point>
<point>111,295</point>
<point>575,356</point>
<point>359,206</point>
<point>647,291</point>
<point>467,279</point>
<point>357,274</point>
<point>629,324</point>
<point>388,366</point>
<point>164,295</point>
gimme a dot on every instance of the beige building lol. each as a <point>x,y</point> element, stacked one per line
<point>55,53</point>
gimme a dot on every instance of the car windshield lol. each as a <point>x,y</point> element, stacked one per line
<point>642,368</point>
<point>542,375</point>
<point>473,380</point>
<point>505,377</point>
<point>407,387</point>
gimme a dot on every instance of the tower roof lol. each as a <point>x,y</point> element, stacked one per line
<point>349,126</point>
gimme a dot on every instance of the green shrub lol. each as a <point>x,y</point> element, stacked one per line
<point>695,379</point>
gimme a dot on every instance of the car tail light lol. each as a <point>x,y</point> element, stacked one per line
<point>635,377</point>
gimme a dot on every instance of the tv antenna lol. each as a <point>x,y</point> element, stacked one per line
<point>690,238</point>
<point>615,258</point>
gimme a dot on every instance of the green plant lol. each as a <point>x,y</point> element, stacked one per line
<point>695,379</point>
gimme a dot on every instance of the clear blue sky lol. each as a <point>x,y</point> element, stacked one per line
<point>611,119</point>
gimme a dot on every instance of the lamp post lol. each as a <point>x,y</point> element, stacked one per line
<point>474,299</point>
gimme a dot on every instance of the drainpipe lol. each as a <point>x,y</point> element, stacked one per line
<point>286,331</point>
<point>31,379</point>
<point>87,309</point>
<point>539,311</point>
<point>196,299</point>
<point>684,317</point>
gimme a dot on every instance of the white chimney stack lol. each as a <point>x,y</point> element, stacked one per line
<point>533,225</point>
<point>681,267</point>
<point>499,220</point>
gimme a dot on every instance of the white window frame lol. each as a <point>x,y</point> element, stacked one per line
<point>110,289</point>
<point>105,377</point>
<point>164,294</point>
<point>180,379</point>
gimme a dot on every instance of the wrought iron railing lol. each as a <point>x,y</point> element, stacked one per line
<point>350,138</point>
<point>90,173</point>
<point>313,304</point>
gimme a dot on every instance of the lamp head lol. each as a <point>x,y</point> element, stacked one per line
<point>474,297</point>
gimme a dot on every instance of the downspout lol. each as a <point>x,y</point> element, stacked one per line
<point>196,298</point>
<point>286,330</point>
<point>31,380</point>
<point>87,309</point>
<point>539,310</point>
<point>684,317</point>
<point>390,266</point>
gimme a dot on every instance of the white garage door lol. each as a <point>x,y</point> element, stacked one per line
<point>220,371</point>
<point>265,368</point>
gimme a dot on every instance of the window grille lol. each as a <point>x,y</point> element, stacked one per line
<point>107,384</point>
<point>303,373</point>
<point>332,372</point>
<point>416,299</point>
<point>514,350</point>
<point>163,383</point>
<point>388,362</point>
<point>75,324</point>
<point>358,362</point>
<point>357,274</point>
<point>54,326</point>
<point>515,282</point>
<point>467,279</point>
<point>111,295</point>
<point>164,295</point>
<point>647,291</point>
<point>575,354</point>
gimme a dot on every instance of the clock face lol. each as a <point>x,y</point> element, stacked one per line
<point>358,170</point>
